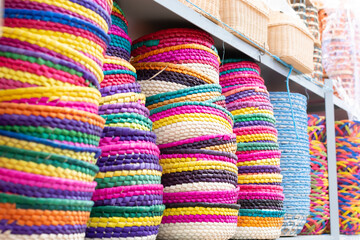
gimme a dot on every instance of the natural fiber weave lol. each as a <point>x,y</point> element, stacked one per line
<point>17,58</point>
<point>200,93</point>
<point>89,11</point>
<point>224,197</point>
<point>72,97</point>
<point>291,41</point>
<point>26,216</point>
<point>48,165</point>
<point>124,222</point>
<point>48,44</point>
<point>291,122</point>
<point>171,37</point>
<point>198,221</point>
<point>158,70</point>
<point>65,33</point>
<point>47,146</point>
<point>249,18</point>
<point>60,133</point>
<point>219,122</point>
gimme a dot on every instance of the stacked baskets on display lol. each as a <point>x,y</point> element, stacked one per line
<point>318,220</point>
<point>291,123</point>
<point>178,70</point>
<point>309,14</point>
<point>340,49</point>
<point>312,18</point>
<point>259,178</point>
<point>52,54</point>
<point>129,195</point>
<point>348,159</point>
<point>300,8</point>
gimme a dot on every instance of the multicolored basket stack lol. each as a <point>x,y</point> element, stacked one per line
<point>199,172</point>
<point>174,59</point>
<point>52,54</point>
<point>261,197</point>
<point>319,218</point>
<point>178,70</point>
<point>348,159</point>
<point>291,123</point>
<point>129,195</point>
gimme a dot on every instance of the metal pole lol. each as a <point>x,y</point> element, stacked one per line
<point>331,157</point>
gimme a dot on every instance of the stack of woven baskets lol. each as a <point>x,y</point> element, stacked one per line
<point>128,196</point>
<point>291,123</point>
<point>261,197</point>
<point>309,14</point>
<point>300,8</point>
<point>340,45</point>
<point>178,70</point>
<point>52,54</point>
<point>318,221</point>
<point>312,19</point>
<point>348,159</point>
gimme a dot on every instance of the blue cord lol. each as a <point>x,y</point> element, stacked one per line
<point>291,105</point>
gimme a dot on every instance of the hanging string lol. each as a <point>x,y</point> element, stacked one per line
<point>290,101</point>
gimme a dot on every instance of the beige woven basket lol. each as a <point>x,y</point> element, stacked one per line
<point>209,6</point>
<point>248,17</point>
<point>290,40</point>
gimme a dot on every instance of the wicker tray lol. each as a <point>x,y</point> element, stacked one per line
<point>248,17</point>
<point>291,41</point>
<point>211,7</point>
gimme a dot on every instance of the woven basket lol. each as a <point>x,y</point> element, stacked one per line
<point>38,186</point>
<point>139,222</point>
<point>200,93</point>
<point>249,18</point>
<point>46,164</point>
<point>198,221</point>
<point>70,32</point>
<point>80,98</point>
<point>227,197</point>
<point>86,11</point>
<point>22,39</point>
<point>291,41</point>
<point>171,122</point>
<point>171,37</point>
<point>209,9</point>
<point>129,196</point>
<point>259,224</point>
<point>26,216</point>
<point>43,121</point>
<point>26,142</point>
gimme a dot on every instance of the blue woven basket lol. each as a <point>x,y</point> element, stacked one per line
<point>291,123</point>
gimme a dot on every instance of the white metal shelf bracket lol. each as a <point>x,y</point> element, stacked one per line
<point>331,158</point>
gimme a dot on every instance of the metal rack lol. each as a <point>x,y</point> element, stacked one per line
<point>171,13</point>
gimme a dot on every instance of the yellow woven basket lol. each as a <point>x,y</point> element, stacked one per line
<point>248,17</point>
<point>209,6</point>
<point>290,40</point>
